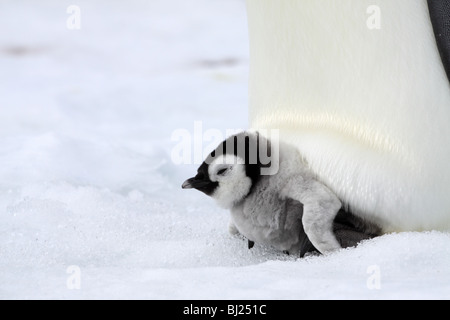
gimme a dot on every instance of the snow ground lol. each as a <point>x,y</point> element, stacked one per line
<point>86,118</point>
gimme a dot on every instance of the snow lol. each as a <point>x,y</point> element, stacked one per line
<point>86,124</point>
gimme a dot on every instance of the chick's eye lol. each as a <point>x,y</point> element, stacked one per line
<point>221,172</point>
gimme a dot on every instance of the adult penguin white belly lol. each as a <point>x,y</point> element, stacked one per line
<point>369,108</point>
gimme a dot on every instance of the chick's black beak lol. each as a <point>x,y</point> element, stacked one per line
<point>188,184</point>
<point>204,185</point>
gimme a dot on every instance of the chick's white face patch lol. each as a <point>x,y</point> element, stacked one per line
<point>234,185</point>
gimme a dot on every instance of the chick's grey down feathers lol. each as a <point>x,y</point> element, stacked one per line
<point>277,223</point>
<point>291,210</point>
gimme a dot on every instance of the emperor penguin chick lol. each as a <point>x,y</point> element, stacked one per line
<point>273,197</point>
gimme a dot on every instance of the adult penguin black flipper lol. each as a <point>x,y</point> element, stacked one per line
<point>440,18</point>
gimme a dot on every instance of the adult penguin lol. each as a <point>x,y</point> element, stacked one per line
<point>360,88</point>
